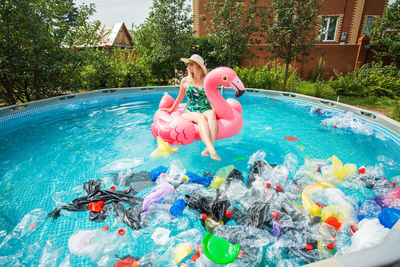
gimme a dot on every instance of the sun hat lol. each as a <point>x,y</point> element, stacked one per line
<point>198,60</point>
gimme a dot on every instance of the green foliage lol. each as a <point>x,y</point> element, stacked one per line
<point>231,26</point>
<point>35,58</point>
<point>317,89</point>
<point>269,77</point>
<point>207,48</point>
<point>160,67</point>
<point>368,80</point>
<point>290,28</point>
<point>171,31</point>
<point>105,69</point>
<point>385,33</point>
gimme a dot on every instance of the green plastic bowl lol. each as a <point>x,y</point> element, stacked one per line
<point>219,250</point>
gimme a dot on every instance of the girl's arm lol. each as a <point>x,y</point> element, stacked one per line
<point>181,95</point>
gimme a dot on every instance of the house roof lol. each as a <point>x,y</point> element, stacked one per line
<point>112,35</point>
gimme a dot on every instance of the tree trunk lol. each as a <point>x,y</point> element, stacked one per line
<point>175,74</point>
<point>230,57</point>
<point>286,75</point>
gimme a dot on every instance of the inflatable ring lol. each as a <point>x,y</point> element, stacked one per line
<point>176,130</point>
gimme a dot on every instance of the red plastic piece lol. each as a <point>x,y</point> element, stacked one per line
<point>291,138</point>
<point>334,222</point>
<point>96,206</point>
<point>112,188</point>
<point>334,238</point>
<point>240,254</point>
<point>105,227</point>
<point>383,178</point>
<point>330,246</point>
<point>121,231</point>
<point>195,257</point>
<point>335,126</point>
<point>309,247</point>
<point>268,185</point>
<point>203,216</point>
<point>275,215</point>
<point>393,183</point>
<point>228,213</point>
<point>278,187</point>
<point>361,170</point>
<point>128,262</point>
<point>319,205</point>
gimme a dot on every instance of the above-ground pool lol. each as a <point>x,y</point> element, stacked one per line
<point>50,150</point>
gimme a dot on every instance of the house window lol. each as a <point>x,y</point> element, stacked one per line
<point>368,24</point>
<point>328,29</point>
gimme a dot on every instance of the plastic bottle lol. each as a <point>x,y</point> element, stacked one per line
<point>178,207</point>
<point>220,177</point>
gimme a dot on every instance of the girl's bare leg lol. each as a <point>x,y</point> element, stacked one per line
<point>204,131</point>
<point>212,123</point>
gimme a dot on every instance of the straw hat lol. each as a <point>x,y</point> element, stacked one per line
<point>196,59</point>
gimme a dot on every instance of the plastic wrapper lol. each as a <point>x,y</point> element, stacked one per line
<point>175,174</point>
<point>370,233</point>
<point>125,177</point>
<point>245,235</point>
<point>220,176</point>
<point>50,255</point>
<point>156,194</point>
<point>97,245</point>
<point>29,224</point>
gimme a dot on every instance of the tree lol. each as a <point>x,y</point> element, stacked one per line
<point>231,26</point>
<point>385,34</point>
<point>35,56</point>
<point>290,29</point>
<point>159,66</point>
<point>172,30</point>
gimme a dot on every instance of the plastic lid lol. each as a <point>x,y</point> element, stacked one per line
<point>219,250</point>
<point>228,213</point>
<point>278,187</point>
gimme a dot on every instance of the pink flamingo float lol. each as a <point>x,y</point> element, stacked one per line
<point>176,130</point>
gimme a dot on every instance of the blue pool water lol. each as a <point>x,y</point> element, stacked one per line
<point>46,157</point>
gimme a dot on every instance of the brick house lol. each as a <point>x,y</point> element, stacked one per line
<point>340,47</point>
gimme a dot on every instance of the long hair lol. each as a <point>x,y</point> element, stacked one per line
<point>196,76</point>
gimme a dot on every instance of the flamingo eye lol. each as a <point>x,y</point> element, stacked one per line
<point>224,78</point>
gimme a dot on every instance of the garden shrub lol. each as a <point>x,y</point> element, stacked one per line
<point>119,68</point>
<point>269,77</point>
<point>368,80</point>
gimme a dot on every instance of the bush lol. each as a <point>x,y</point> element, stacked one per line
<point>317,89</point>
<point>368,80</point>
<point>119,68</point>
<point>269,77</point>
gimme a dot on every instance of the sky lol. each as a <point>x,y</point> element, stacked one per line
<point>113,11</point>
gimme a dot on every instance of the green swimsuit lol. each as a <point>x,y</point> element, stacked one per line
<point>197,100</point>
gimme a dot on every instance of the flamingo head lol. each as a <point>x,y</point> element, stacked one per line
<point>227,77</point>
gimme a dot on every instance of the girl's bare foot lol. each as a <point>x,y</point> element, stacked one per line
<point>214,156</point>
<point>205,153</point>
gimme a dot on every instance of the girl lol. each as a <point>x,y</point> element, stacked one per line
<point>198,108</point>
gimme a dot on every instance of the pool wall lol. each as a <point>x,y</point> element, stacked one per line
<point>388,252</point>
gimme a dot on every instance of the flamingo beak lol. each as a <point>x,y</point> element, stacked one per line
<point>238,85</point>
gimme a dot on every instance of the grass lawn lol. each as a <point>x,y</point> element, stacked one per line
<point>387,106</point>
